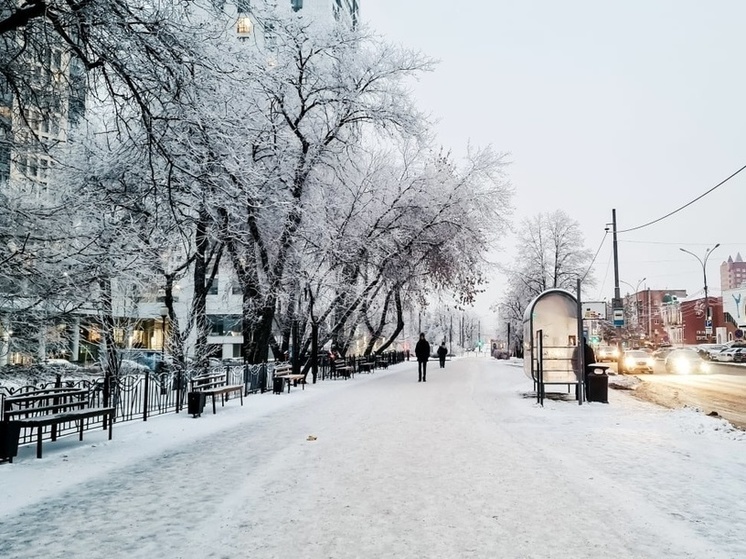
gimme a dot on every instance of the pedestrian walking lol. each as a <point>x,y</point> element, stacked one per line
<point>442,352</point>
<point>422,352</point>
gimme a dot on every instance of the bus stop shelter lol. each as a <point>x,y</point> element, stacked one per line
<point>550,338</point>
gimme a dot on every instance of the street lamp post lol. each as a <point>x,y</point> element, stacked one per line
<point>637,302</point>
<point>708,315</point>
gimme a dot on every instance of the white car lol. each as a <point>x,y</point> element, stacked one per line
<point>61,364</point>
<point>130,366</point>
<point>724,355</point>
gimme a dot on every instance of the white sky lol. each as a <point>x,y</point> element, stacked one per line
<point>636,105</point>
<point>464,465</point>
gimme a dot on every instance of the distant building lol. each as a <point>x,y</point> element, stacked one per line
<point>691,328</point>
<point>325,11</point>
<point>733,273</point>
<point>655,309</point>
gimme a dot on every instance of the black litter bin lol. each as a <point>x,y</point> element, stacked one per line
<point>195,403</point>
<point>597,386</point>
<point>278,384</point>
<point>10,431</point>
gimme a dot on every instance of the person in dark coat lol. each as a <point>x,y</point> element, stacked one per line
<point>589,357</point>
<point>442,352</point>
<point>422,352</point>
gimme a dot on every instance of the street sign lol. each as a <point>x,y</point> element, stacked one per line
<point>618,317</point>
<point>708,324</point>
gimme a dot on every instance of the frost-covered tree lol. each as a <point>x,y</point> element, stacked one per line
<point>551,254</point>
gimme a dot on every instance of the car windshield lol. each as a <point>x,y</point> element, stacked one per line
<point>684,354</point>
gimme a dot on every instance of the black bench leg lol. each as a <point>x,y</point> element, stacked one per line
<point>241,396</point>
<point>82,424</point>
<point>111,422</point>
<point>214,410</point>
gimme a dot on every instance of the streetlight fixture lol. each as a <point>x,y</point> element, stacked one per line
<point>708,316</point>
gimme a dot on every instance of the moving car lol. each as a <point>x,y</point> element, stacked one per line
<point>662,353</point>
<point>607,353</point>
<point>707,350</point>
<point>686,361</point>
<point>637,361</point>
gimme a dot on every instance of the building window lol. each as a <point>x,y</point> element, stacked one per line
<point>224,325</point>
<point>213,288</point>
<point>244,25</point>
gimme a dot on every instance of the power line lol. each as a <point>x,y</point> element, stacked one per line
<point>721,183</point>
<point>596,255</point>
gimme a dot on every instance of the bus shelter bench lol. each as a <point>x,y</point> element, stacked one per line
<point>51,408</point>
<point>214,385</point>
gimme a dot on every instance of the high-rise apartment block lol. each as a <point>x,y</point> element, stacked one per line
<point>732,273</point>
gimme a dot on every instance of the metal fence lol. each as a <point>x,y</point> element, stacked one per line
<point>139,396</point>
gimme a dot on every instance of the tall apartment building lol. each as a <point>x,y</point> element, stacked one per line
<point>732,273</point>
<point>326,11</point>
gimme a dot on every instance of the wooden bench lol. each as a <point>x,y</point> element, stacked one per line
<point>285,373</point>
<point>52,407</point>
<point>215,384</point>
<point>344,371</point>
<point>366,365</point>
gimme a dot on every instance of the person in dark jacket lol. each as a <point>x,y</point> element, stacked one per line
<point>422,352</point>
<point>589,357</point>
<point>442,352</point>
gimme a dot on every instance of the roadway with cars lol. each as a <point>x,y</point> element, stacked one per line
<point>722,390</point>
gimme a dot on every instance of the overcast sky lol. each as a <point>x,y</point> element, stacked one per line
<point>637,105</point>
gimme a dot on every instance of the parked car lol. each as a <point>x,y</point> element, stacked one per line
<point>607,353</point>
<point>725,355</point>
<point>60,364</point>
<point>130,366</point>
<point>686,361</point>
<point>636,361</point>
<point>151,358</point>
<point>740,355</point>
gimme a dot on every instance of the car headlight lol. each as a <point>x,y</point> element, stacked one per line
<point>705,367</point>
<point>682,366</point>
<point>629,362</point>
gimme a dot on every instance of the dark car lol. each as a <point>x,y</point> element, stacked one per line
<point>637,361</point>
<point>685,362</point>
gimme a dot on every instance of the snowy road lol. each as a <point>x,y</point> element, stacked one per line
<point>462,466</point>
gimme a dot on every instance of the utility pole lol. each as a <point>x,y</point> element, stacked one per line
<point>617,309</point>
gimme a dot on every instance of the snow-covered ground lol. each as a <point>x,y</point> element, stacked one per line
<point>465,465</point>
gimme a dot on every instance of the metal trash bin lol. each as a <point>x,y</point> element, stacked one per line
<point>10,431</point>
<point>195,403</point>
<point>597,386</point>
<point>278,385</point>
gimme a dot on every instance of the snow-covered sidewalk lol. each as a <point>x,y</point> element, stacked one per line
<point>461,466</point>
